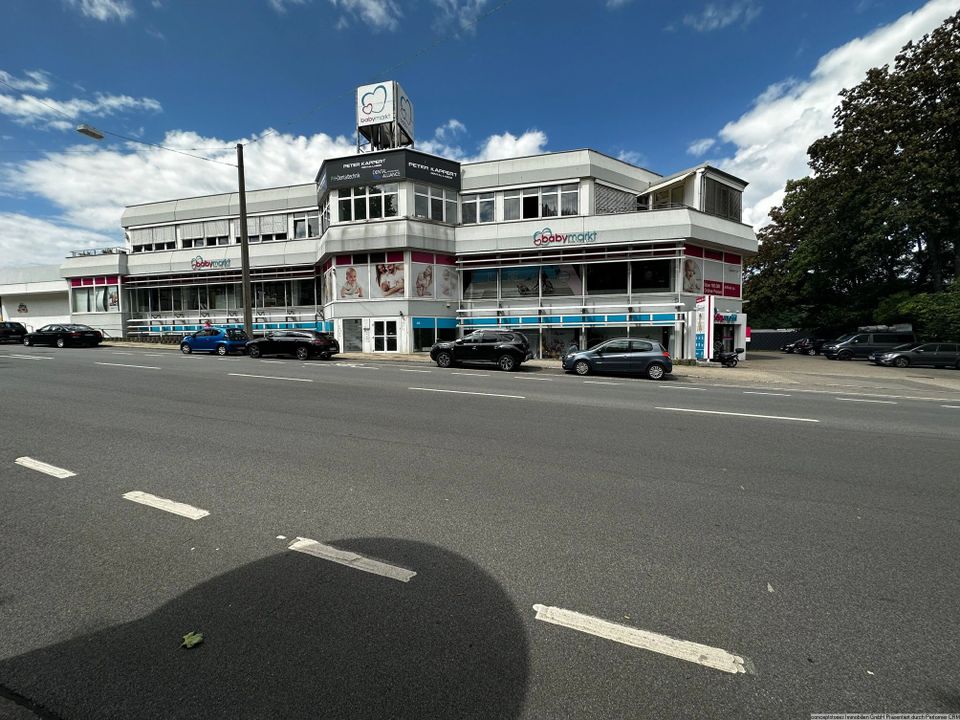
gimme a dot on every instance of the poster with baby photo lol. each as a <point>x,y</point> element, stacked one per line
<point>692,275</point>
<point>423,285</point>
<point>353,282</point>
<point>447,282</point>
<point>386,280</point>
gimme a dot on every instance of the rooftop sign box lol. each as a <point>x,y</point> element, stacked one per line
<point>384,104</point>
<point>388,166</point>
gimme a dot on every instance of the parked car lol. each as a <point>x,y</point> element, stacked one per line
<point>863,344</point>
<point>809,346</point>
<point>506,349</point>
<point>63,335</point>
<point>222,341</point>
<point>301,344</point>
<point>932,354</point>
<point>622,355</point>
<point>875,356</point>
<point>12,332</point>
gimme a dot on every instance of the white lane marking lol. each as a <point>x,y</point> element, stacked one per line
<point>716,658</point>
<point>117,352</point>
<point>954,407</point>
<point>735,414</point>
<point>28,357</point>
<point>156,354</point>
<point>522,377</point>
<point>600,382</point>
<point>269,377</point>
<point>465,392</point>
<point>755,392</point>
<point>350,559</point>
<point>879,402</point>
<point>171,506</point>
<point>29,462</point>
<point>412,370</point>
<point>677,387</point>
<point>471,374</point>
<point>138,367</point>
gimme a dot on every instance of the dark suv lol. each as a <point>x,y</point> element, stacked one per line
<point>863,344</point>
<point>506,349</point>
<point>301,344</point>
<point>12,332</point>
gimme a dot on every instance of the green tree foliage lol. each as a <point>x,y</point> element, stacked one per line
<point>879,218</point>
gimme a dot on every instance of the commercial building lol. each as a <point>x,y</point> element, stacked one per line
<point>394,249</point>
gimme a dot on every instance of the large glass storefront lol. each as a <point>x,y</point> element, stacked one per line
<point>223,296</point>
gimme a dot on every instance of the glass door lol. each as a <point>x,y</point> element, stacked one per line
<point>353,335</point>
<point>385,335</point>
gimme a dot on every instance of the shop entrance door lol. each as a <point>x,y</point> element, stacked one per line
<point>384,335</point>
<point>353,335</point>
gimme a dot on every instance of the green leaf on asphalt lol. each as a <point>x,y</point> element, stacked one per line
<point>191,639</point>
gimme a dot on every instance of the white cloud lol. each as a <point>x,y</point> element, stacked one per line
<point>495,147</point>
<point>103,9</point>
<point>90,184</point>
<point>32,80</point>
<point>715,16</point>
<point>58,114</point>
<point>772,138</point>
<point>632,156</point>
<point>462,14</point>
<point>26,240</point>
<point>616,4</point>
<point>700,147</point>
<point>281,5</point>
<point>376,14</point>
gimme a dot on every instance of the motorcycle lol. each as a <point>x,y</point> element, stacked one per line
<point>727,358</point>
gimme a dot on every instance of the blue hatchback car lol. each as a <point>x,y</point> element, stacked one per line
<point>221,341</point>
<point>623,355</point>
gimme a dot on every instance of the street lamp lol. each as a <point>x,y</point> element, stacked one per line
<point>92,132</point>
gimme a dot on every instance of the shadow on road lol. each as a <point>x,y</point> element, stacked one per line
<point>292,636</point>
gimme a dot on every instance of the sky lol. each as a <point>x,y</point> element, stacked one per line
<point>745,85</point>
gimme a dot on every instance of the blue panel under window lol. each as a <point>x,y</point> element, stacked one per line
<point>551,319</point>
<point>446,323</point>
<point>616,318</point>
<point>663,317</point>
<point>154,328</point>
<point>421,323</point>
<point>484,321</point>
<point>530,320</point>
<point>572,318</point>
<point>644,317</point>
<point>594,318</point>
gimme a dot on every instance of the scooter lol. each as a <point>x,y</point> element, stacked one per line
<point>727,358</point>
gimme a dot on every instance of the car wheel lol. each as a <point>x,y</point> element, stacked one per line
<point>61,343</point>
<point>901,362</point>
<point>656,371</point>
<point>444,360</point>
<point>845,356</point>
<point>303,353</point>
<point>581,367</point>
<point>325,356</point>
<point>811,351</point>
<point>221,350</point>
<point>253,351</point>
<point>185,349</point>
<point>507,363</point>
<point>27,341</point>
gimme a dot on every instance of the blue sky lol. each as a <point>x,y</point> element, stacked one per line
<point>744,84</point>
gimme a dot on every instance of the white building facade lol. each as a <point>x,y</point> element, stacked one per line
<point>396,249</point>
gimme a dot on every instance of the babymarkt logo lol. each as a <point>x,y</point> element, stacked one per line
<point>549,237</point>
<point>198,263</point>
<point>372,103</point>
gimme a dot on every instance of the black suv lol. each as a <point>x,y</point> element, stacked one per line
<point>506,349</point>
<point>12,332</point>
<point>302,344</point>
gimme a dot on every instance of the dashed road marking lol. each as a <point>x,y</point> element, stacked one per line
<point>953,407</point>
<point>736,414</point>
<point>600,382</point>
<point>523,377</point>
<point>171,506</point>
<point>137,367</point>
<point>755,392</point>
<point>466,392</point>
<point>713,657</point>
<point>471,374</point>
<point>27,357</point>
<point>351,559</point>
<point>878,402</point>
<point>412,370</point>
<point>269,377</point>
<point>57,472</point>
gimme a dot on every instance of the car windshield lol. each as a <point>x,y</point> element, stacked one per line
<point>236,334</point>
<point>77,327</point>
<point>843,338</point>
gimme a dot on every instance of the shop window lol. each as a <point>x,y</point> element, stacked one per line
<point>569,199</point>
<point>477,208</point>
<point>423,338</point>
<point>652,276</point>
<point>81,300</point>
<point>519,282</point>
<point>511,205</point>
<point>607,279</point>
<point>479,284</point>
<point>304,292</point>
<point>446,334</point>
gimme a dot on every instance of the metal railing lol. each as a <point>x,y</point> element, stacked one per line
<point>175,324</point>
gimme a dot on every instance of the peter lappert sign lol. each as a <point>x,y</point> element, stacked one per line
<point>389,167</point>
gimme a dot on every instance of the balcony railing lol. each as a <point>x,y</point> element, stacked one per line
<point>174,324</point>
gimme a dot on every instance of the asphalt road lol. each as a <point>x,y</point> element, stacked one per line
<point>814,536</point>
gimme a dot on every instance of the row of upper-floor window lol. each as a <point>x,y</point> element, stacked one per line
<point>211,233</point>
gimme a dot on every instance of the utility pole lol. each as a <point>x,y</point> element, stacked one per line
<point>244,248</point>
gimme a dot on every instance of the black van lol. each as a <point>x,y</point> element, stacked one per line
<point>863,344</point>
